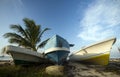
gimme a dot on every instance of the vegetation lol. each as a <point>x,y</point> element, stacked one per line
<point>19,71</point>
<point>28,36</point>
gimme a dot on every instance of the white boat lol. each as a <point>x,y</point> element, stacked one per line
<point>97,53</point>
<point>22,56</point>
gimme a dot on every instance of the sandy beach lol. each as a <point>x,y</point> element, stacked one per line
<point>86,70</point>
<point>77,69</point>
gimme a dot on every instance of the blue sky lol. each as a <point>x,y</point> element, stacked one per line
<point>81,22</point>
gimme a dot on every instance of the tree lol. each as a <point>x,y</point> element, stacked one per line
<point>29,36</point>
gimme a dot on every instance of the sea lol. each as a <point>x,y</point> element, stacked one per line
<point>2,58</point>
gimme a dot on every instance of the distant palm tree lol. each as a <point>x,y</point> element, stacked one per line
<point>28,36</point>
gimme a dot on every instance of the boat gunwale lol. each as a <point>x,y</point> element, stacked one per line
<point>92,56</point>
<point>11,52</point>
<point>57,51</point>
<point>53,49</point>
<point>28,52</point>
<point>93,44</point>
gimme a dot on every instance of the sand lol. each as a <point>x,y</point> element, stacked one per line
<point>55,70</point>
<point>75,69</point>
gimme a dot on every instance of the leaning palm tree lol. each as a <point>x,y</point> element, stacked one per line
<point>29,36</point>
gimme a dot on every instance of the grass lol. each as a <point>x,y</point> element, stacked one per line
<point>19,71</point>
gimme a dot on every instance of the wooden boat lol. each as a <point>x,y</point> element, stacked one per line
<point>97,53</point>
<point>57,49</point>
<point>22,56</point>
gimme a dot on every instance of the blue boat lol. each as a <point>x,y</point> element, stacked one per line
<point>57,49</point>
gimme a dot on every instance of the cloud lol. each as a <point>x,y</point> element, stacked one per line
<point>18,4</point>
<point>100,20</point>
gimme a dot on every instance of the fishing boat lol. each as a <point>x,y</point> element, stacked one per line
<point>23,56</point>
<point>97,53</point>
<point>57,49</point>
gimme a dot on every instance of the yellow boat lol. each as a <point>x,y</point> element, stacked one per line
<point>97,53</point>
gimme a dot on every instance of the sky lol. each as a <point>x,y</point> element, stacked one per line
<point>80,22</point>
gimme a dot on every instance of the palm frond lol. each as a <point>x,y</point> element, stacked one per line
<point>15,40</point>
<point>20,30</point>
<point>12,35</point>
<point>29,36</point>
<point>41,33</point>
<point>44,31</point>
<point>29,23</point>
<point>42,44</point>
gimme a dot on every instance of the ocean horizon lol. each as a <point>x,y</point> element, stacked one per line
<point>5,58</point>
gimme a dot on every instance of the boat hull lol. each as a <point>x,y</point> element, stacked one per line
<point>57,50</point>
<point>24,59</point>
<point>22,56</point>
<point>58,57</point>
<point>97,53</point>
<point>101,59</point>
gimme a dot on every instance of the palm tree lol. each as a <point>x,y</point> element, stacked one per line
<point>29,36</point>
